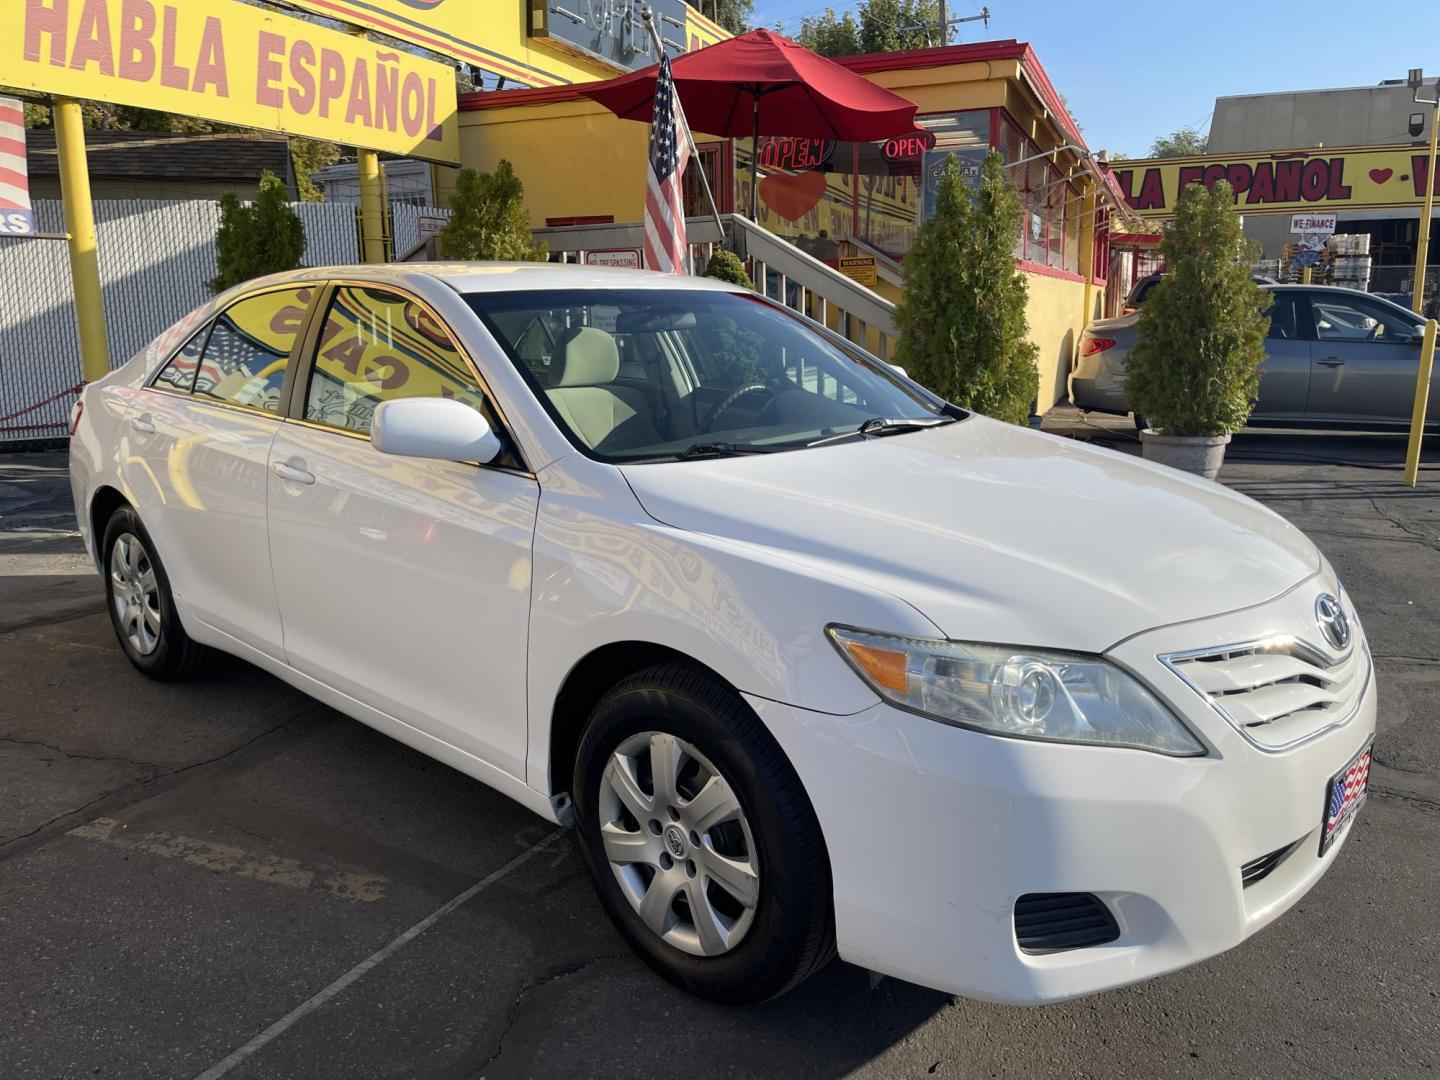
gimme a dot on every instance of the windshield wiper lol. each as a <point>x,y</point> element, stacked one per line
<point>885,425</point>
<point>718,449</point>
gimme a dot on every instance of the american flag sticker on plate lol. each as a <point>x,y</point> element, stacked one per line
<point>1343,796</point>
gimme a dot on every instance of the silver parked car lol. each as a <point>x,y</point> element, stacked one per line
<point>1333,357</point>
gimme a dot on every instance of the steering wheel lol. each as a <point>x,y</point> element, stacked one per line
<point>729,399</point>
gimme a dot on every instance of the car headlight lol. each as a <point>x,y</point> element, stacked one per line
<point>1024,693</point>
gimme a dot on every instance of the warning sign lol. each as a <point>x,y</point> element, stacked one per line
<point>860,269</point>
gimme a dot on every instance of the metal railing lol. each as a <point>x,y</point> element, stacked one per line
<point>782,271</point>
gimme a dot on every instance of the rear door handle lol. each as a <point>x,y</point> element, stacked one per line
<point>1331,361</point>
<point>142,424</point>
<point>289,472</point>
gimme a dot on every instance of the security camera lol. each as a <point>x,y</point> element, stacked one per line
<point>1417,124</point>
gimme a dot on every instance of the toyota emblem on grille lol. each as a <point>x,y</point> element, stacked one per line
<point>1332,619</point>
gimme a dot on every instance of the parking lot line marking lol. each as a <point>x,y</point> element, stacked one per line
<point>374,960</point>
<point>227,859</point>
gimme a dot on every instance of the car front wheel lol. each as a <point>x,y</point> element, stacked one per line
<point>704,848</point>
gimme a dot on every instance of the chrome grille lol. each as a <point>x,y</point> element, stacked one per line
<point>1278,691</point>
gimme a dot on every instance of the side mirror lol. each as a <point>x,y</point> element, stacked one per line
<point>432,427</point>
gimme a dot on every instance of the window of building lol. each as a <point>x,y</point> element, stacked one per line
<point>377,345</point>
<point>247,352</point>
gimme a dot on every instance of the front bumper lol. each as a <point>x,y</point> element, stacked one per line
<point>934,832</point>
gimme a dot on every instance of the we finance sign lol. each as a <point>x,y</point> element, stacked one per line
<point>1283,182</point>
<point>232,63</point>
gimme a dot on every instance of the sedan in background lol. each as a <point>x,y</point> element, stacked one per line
<point>796,646</point>
<point>1333,358</point>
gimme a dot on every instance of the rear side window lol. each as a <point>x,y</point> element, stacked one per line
<point>377,345</point>
<point>179,373</point>
<point>249,347</point>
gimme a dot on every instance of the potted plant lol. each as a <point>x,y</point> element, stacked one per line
<point>1200,339</point>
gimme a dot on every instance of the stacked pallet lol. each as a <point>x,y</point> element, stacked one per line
<point>1347,261</point>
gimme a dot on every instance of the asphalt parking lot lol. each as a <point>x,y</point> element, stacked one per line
<point>225,878</point>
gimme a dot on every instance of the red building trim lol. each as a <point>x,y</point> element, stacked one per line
<point>1048,271</point>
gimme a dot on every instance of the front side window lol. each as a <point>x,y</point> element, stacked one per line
<point>1353,319</point>
<point>249,348</point>
<point>377,345</point>
<point>634,374</point>
<point>179,373</point>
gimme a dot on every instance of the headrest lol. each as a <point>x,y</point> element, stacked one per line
<point>590,358</point>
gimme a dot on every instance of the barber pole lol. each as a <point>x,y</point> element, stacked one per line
<point>16,216</point>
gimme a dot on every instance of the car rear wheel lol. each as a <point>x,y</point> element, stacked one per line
<point>703,846</point>
<point>141,605</point>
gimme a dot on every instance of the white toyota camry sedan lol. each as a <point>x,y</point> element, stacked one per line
<point>813,661</point>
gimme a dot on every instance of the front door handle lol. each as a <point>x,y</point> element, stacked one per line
<point>1331,361</point>
<point>290,472</point>
<point>142,424</point>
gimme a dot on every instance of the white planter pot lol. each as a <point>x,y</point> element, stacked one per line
<point>1191,453</point>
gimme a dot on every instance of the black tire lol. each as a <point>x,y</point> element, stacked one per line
<point>173,655</point>
<point>792,934</point>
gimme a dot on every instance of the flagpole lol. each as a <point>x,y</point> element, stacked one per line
<point>649,18</point>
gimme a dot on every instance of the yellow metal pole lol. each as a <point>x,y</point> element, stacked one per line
<point>372,229</point>
<point>1305,274</point>
<point>1422,399</point>
<point>1422,247</point>
<point>372,206</point>
<point>80,224</point>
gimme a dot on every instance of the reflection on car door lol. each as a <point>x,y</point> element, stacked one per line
<point>197,463</point>
<point>1365,360</point>
<point>403,583</point>
<point>1285,374</point>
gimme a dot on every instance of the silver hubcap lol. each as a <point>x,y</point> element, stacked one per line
<point>679,844</point>
<point>135,594</point>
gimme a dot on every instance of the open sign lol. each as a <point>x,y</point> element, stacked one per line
<point>777,152</point>
<point>911,145</point>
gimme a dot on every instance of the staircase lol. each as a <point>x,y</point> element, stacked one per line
<point>780,270</point>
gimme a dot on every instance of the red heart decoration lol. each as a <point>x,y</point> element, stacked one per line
<point>1381,175</point>
<point>792,196</point>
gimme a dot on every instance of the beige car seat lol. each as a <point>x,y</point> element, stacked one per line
<point>605,417</point>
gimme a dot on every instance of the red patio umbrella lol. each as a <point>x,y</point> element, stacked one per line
<point>722,88</point>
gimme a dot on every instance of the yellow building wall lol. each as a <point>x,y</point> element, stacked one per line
<point>1055,308</point>
<point>575,158</point>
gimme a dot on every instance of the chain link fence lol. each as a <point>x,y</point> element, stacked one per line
<point>1397,283</point>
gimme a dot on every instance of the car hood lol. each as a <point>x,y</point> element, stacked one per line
<point>994,532</point>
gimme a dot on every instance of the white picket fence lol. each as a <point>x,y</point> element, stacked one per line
<point>155,258</point>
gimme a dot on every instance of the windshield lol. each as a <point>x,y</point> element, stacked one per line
<point>637,374</point>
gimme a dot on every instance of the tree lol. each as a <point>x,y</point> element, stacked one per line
<point>897,25</point>
<point>307,157</point>
<point>263,237</point>
<point>733,15</point>
<point>963,331</point>
<point>489,219</point>
<point>1200,340</point>
<point>726,266</point>
<point>1186,142</point>
<point>830,34</point>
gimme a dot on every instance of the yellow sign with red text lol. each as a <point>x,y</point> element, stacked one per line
<point>1283,182</point>
<point>235,64</point>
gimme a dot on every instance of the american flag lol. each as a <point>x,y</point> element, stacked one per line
<point>14,176</point>
<point>665,247</point>
<point>1346,795</point>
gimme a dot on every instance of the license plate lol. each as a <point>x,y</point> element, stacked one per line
<point>1343,796</point>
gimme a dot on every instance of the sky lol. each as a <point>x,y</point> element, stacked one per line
<point>1131,72</point>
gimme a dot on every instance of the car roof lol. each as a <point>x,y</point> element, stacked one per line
<point>472,277</point>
